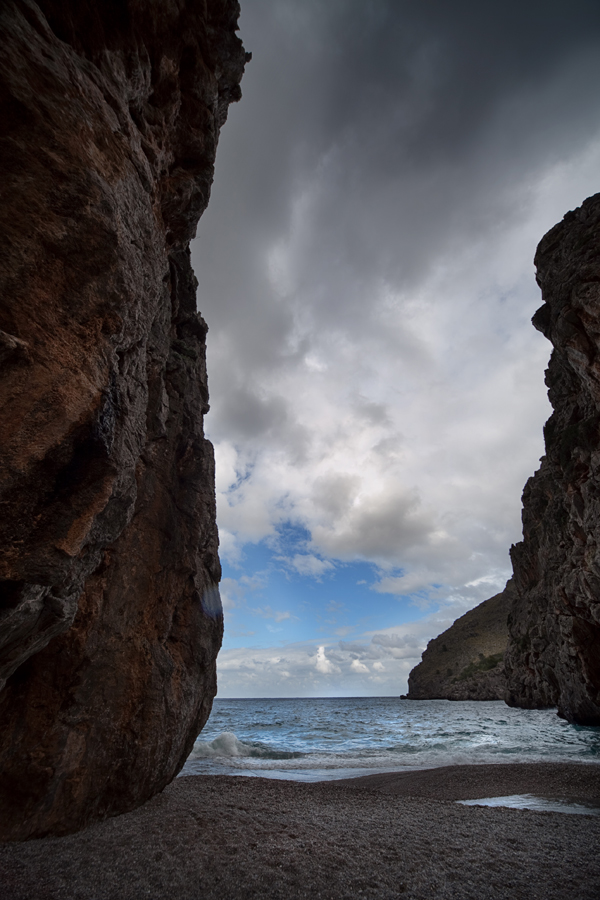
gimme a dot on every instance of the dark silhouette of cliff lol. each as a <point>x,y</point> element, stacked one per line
<point>553,656</point>
<point>110,617</point>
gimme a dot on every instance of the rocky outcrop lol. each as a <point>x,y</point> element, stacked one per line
<point>110,618</point>
<point>553,656</point>
<point>465,662</point>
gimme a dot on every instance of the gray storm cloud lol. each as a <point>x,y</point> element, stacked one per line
<point>365,270</point>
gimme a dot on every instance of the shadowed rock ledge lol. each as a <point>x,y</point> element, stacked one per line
<point>110,617</point>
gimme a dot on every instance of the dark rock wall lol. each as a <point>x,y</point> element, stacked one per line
<point>465,662</point>
<point>110,617</point>
<point>553,656</point>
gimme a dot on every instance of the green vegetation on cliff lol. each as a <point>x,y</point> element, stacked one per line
<point>483,664</point>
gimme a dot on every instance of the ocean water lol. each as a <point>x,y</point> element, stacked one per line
<point>312,739</point>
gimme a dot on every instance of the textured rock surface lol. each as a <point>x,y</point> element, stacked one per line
<point>553,656</point>
<point>110,618</point>
<point>465,661</point>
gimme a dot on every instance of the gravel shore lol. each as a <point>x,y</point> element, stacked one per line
<point>383,836</point>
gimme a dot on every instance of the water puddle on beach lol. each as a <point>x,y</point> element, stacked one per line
<point>539,804</point>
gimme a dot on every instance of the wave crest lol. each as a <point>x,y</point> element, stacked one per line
<point>228,745</point>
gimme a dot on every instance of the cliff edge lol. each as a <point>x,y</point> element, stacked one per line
<point>110,617</point>
<point>553,656</point>
<point>466,662</point>
<point>552,653</point>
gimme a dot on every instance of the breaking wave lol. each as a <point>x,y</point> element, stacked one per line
<point>319,739</point>
<point>228,746</point>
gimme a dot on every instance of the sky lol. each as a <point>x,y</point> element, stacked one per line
<point>365,267</point>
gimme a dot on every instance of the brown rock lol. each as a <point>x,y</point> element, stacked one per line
<point>553,656</point>
<point>110,618</point>
<point>465,662</point>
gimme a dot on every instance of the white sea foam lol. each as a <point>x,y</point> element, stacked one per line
<point>318,739</point>
<point>228,746</point>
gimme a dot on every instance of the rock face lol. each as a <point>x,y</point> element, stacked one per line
<point>110,617</point>
<point>553,653</point>
<point>466,661</point>
<point>553,656</point>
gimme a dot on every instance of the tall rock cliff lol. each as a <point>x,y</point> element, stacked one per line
<point>110,618</point>
<point>466,662</point>
<point>553,656</point>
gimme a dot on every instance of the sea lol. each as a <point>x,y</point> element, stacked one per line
<point>319,739</point>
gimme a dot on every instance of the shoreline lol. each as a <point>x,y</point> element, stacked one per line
<point>361,774</point>
<point>573,781</point>
<point>378,836</point>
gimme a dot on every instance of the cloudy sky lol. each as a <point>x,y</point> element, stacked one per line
<point>365,268</point>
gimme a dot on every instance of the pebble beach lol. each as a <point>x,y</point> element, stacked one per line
<point>386,836</point>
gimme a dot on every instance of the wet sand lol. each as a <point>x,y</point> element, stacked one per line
<point>382,836</point>
<point>557,780</point>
